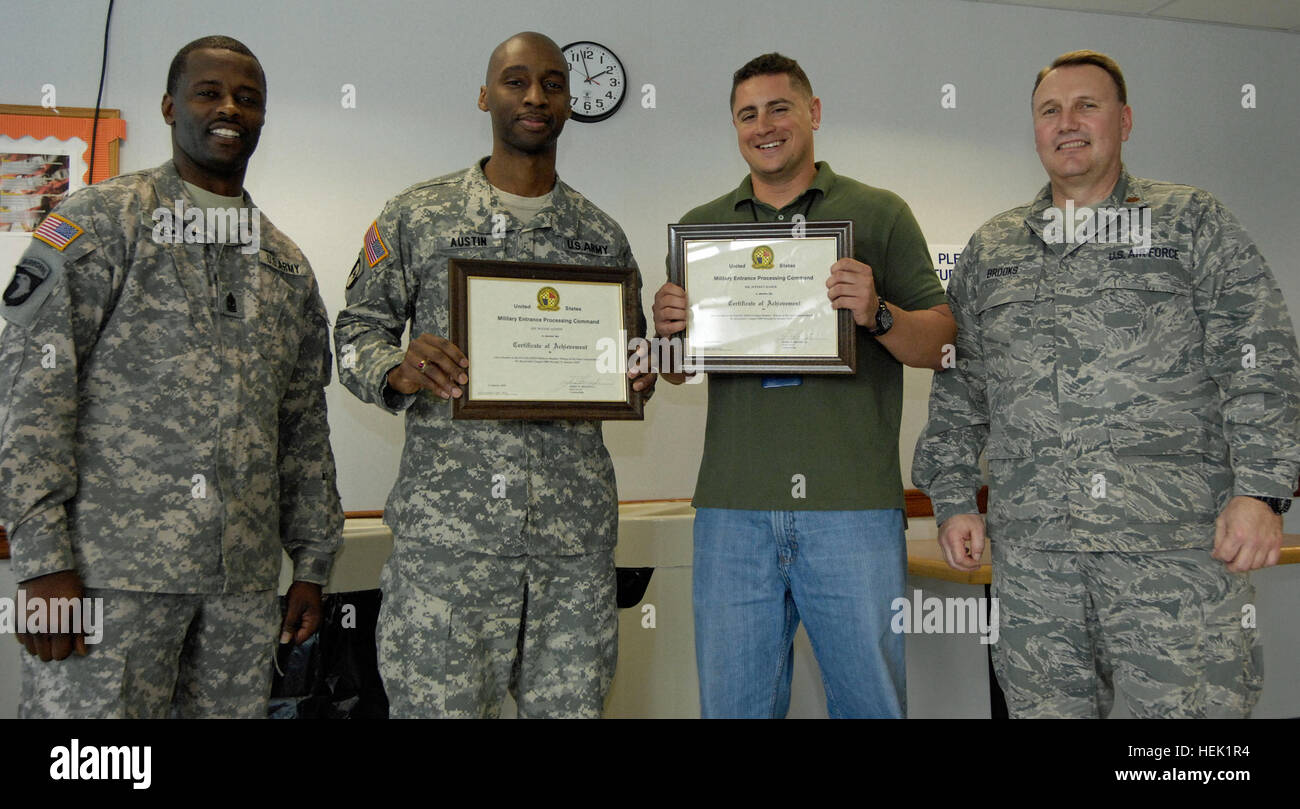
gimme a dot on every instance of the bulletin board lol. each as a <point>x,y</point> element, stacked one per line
<point>44,156</point>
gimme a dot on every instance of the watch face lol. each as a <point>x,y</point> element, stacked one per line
<point>884,320</point>
<point>597,83</point>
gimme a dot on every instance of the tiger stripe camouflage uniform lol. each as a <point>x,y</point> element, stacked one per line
<point>1121,394</point>
<point>164,435</point>
<point>483,592</point>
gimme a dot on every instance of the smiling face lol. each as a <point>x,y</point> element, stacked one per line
<point>527,95</point>
<point>1079,126</point>
<point>774,123</point>
<point>216,117</point>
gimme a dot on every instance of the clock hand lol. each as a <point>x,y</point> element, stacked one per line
<point>585,72</point>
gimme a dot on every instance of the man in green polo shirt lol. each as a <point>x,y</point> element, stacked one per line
<point>799,499</point>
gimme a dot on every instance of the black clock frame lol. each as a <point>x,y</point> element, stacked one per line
<point>591,119</point>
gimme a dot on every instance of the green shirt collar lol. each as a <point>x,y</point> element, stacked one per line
<point>821,183</point>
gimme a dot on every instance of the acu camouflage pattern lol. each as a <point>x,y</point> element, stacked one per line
<point>559,480</point>
<point>1165,628</point>
<point>151,386</point>
<point>163,655</point>
<point>1076,360</point>
<point>544,628</point>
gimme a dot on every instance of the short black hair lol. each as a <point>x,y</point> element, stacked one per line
<point>219,42</point>
<point>1100,60</point>
<point>771,64</point>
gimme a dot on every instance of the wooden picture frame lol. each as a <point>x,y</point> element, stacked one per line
<point>539,278</point>
<point>772,287</point>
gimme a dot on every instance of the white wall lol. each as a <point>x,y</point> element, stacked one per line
<point>323,172</point>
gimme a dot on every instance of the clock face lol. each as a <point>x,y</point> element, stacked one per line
<point>597,82</point>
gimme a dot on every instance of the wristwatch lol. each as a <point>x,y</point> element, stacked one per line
<point>1280,505</point>
<point>884,320</point>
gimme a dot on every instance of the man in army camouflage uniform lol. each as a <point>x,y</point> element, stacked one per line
<point>502,573</point>
<point>1130,373</point>
<point>164,428</point>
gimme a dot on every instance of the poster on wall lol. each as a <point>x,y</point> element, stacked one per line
<point>944,258</point>
<point>31,184</point>
<point>35,176</point>
<point>45,155</point>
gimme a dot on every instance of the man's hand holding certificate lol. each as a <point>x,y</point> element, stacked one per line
<point>759,298</point>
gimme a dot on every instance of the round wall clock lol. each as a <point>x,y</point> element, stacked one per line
<point>597,83</point>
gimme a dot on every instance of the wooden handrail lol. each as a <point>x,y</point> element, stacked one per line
<point>918,505</point>
<point>915,502</point>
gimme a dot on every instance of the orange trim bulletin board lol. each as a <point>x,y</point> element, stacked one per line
<point>19,121</point>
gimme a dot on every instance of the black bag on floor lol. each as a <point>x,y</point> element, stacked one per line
<point>335,674</point>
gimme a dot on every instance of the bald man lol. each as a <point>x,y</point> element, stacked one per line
<point>502,573</point>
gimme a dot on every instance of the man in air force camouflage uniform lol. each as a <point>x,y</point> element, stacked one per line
<point>502,574</point>
<point>1136,400</point>
<point>164,426</point>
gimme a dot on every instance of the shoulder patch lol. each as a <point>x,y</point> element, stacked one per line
<point>354,275</point>
<point>29,290</point>
<point>57,232</point>
<point>30,273</point>
<point>376,250</point>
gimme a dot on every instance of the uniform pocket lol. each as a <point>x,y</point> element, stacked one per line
<point>1231,648</point>
<point>275,328</point>
<point>1006,312</point>
<point>1007,445</point>
<point>1013,487</point>
<point>1167,476</point>
<point>153,320</point>
<point>1178,437</point>
<point>414,633</point>
<point>1147,309</point>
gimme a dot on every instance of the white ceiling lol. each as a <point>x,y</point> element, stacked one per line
<point>1270,15</point>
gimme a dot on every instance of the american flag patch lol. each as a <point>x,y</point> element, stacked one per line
<point>57,232</point>
<point>375,249</point>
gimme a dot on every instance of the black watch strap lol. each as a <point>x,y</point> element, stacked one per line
<point>1280,505</point>
<point>884,320</point>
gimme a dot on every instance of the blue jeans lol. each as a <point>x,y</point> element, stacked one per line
<point>757,573</point>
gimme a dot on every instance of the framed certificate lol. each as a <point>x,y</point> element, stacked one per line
<point>757,297</point>
<point>544,341</point>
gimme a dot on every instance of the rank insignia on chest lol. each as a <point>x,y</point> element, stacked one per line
<point>231,306</point>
